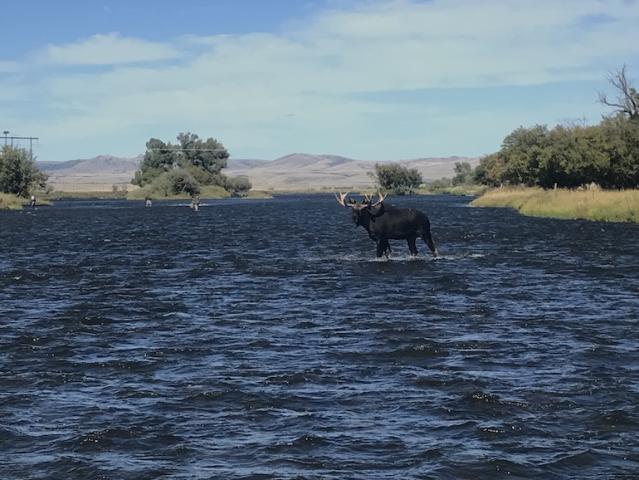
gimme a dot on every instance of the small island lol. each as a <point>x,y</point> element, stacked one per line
<point>191,168</point>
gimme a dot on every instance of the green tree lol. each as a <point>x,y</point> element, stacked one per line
<point>209,155</point>
<point>567,156</point>
<point>522,150</point>
<point>182,181</point>
<point>204,159</point>
<point>622,150</point>
<point>397,179</point>
<point>18,172</point>
<point>238,186</point>
<point>490,170</point>
<point>198,162</point>
<point>574,156</point>
<point>159,157</point>
<point>441,183</point>
<point>175,182</point>
<point>463,173</point>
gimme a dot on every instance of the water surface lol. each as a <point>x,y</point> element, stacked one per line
<point>262,339</point>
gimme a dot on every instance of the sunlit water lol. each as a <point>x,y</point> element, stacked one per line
<point>262,339</point>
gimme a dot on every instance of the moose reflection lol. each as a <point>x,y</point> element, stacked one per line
<point>387,222</point>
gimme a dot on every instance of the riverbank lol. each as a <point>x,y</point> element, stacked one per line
<point>13,202</point>
<point>207,193</point>
<point>457,190</point>
<point>595,204</point>
<point>10,202</point>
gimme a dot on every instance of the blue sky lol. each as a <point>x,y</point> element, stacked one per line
<point>368,79</point>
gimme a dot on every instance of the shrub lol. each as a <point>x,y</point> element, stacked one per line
<point>18,173</point>
<point>238,186</point>
<point>397,179</point>
<point>175,182</point>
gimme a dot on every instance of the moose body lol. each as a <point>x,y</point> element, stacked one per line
<point>387,222</point>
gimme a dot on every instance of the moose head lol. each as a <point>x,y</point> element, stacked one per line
<point>362,211</point>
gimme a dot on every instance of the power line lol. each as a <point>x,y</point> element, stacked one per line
<point>13,137</point>
<point>187,149</point>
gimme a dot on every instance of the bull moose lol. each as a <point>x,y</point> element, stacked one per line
<point>386,222</point>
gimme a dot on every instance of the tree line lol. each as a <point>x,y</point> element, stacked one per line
<point>567,156</point>
<point>573,155</point>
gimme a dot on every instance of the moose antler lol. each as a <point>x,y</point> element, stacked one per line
<point>381,199</point>
<point>367,198</point>
<point>341,198</point>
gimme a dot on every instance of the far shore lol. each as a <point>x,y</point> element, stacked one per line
<point>137,195</point>
<point>589,204</point>
<point>11,202</point>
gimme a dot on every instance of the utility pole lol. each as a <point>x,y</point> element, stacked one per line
<point>12,138</point>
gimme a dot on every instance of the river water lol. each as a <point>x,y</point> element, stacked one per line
<point>262,339</point>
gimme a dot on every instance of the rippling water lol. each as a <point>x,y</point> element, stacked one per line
<point>262,339</point>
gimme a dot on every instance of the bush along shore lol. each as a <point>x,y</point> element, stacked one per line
<point>19,178</point>
<point>589,204</point>
<point>208,192</point>
<point>10,202</point>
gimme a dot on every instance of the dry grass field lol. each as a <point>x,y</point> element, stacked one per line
<point>10,202</point>
<point>591,204</point>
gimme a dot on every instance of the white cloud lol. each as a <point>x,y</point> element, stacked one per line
<point>245,88</point>
<point>9,66</point>
<point>110,49</point>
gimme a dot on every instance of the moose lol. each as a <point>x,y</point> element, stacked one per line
<point>386,222</point>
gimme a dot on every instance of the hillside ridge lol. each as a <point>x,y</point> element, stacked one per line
<point>292,172</point>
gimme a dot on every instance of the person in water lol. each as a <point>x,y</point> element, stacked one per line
<point>147,202</point>
<point>195,203</point>
<point>32,202</point>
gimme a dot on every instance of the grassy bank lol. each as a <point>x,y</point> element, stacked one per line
<point>601,205</point>
<point>258,195</point>
<point>12,202</point>
<point>207,191</point>
<point>210,192</point>
<point>61,195</point>
<point>459,190</point>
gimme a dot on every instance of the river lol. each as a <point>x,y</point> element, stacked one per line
<point>260,339</point>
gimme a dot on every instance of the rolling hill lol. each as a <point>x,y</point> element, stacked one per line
<point>294,172</point>
<point>301,171</point>
<point>96,174</point>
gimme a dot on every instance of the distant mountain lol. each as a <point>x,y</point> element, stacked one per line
<point>294,172</point>
<point>100,173</point>
<point>99,164</point>
<point>302,171</point>
<point>242,163</point>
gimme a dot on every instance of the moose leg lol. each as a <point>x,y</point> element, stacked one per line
<point>427,237</point>
<point>383,248</point>
<point>387,248</point>
<point>411,245</point>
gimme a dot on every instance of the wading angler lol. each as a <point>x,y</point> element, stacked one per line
<point>387,222</point>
